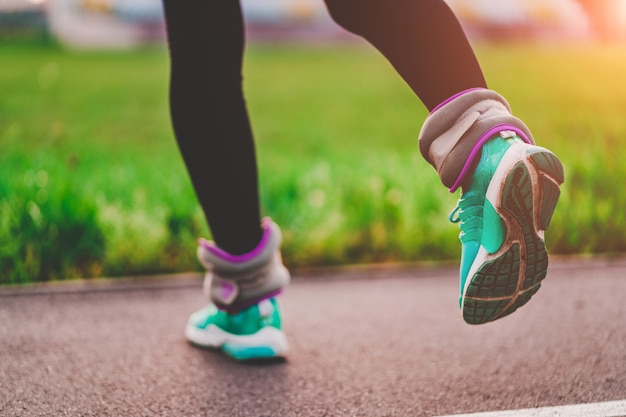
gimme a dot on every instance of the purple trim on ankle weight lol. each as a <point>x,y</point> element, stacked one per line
<point>479,144</point>
<point>236,308</point>
<point>235,259</point>
<point>457,95</point>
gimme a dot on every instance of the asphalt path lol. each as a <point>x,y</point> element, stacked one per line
<point>363,342</point>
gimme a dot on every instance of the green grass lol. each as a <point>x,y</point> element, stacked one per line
<point>91,182</point>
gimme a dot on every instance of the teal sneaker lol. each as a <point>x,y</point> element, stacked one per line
<point>503,213</point>
<point>254,333</point>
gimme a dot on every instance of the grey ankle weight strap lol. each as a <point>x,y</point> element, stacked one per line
<point>234,282</point>
<point>453,130</point>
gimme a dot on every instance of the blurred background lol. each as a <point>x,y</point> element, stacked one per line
<point>120,24</point>
<point>91,182</point>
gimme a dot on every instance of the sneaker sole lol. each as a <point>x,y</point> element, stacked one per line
<point>524,191</point>
<point>267,343</point>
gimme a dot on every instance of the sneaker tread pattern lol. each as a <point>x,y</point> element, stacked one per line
<point>499,288</point>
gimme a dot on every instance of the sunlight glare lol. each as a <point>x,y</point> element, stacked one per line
<point>621,14</point>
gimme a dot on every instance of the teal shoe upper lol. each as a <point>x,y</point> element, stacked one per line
<point>246,322</point>
<point>478,220</point>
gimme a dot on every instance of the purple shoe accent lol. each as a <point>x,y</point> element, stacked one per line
<point>457,95</point>
<point>228,290</point>
<point>265,224</point>
<point>478,145</point>
<point>234,309</point>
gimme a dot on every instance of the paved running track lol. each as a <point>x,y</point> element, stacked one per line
<point>364,342</point>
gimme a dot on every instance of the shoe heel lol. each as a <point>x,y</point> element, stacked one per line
<point>547,163</point>
<point>552,175</point>
<point>551,193</point>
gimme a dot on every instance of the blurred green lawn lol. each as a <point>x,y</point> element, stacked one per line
<point>91,182</point>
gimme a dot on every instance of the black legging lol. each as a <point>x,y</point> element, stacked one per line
<point>421,38</point>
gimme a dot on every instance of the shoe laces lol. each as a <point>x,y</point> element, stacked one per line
<point>469,215</point>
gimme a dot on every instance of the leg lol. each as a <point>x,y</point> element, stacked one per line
<point>244,268</point>
<point>210,119</point>
<point>422,39</point>
<point>509,186</point>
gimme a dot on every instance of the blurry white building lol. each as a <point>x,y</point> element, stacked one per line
<point>523,18</point>
<point>105,23</point>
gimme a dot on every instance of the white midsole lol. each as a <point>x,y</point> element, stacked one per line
<point>215,337</point>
